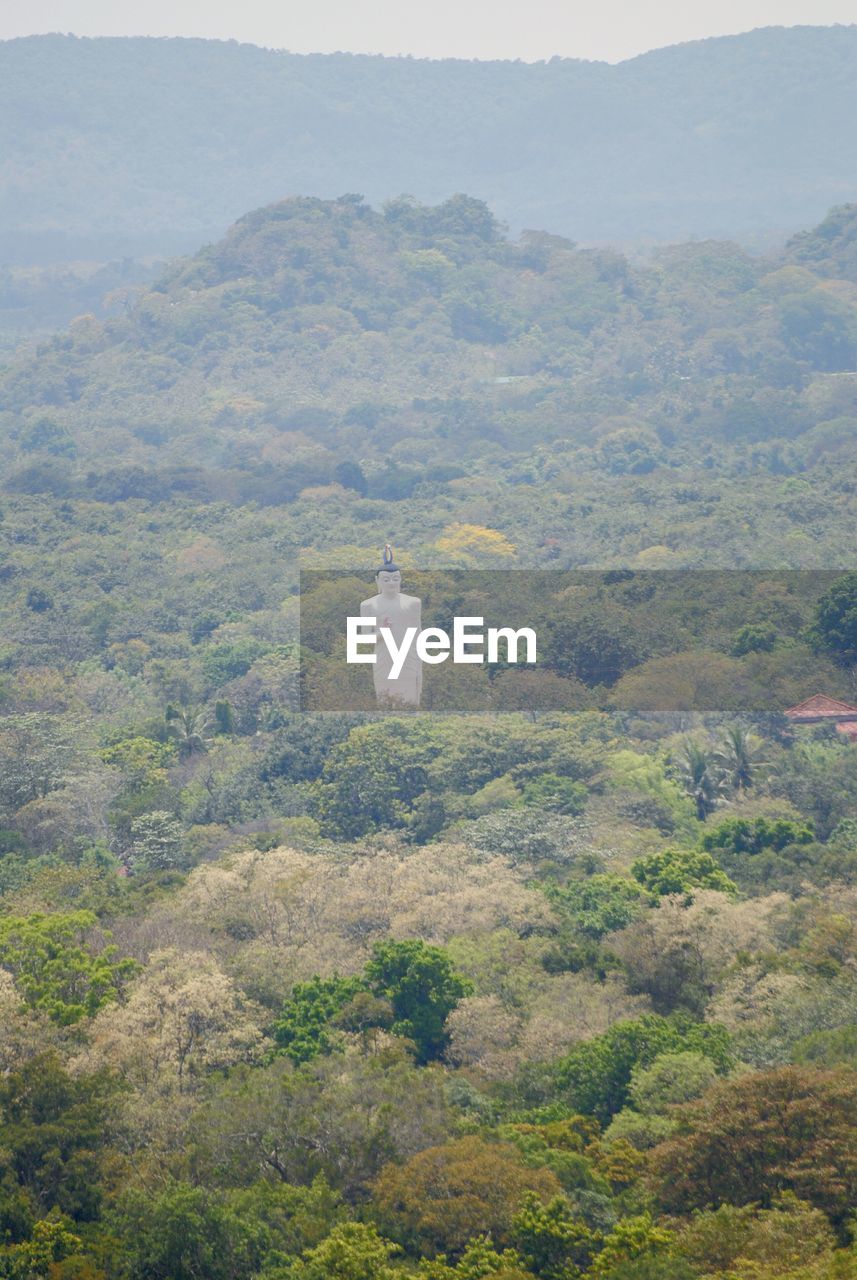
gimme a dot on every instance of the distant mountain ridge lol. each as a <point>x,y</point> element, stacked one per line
<point>147,146</point>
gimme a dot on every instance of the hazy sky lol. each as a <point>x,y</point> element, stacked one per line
<point>528,29</point>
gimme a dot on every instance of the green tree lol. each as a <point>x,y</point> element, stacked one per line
<point>45,435</point>
<point>647,774</point>
<point>303,1029</point>
<point>52,1135</point>
<point>552,1239</point>
<point>372,780</point>
<point>550,792</point>
<point>820,329</point>
<point>596,647</point>
<point>832,1048</point>
<point>52,1241</point>
<point>596,1075</point>
<point>790,1238</point>
<point>190,726</point>
<point>290,1219</point>
<point>229,660</point>
<point>56,970</point>
<point>679,871</point>
<point>739,836</point>
<point>352,1251</point>
<point>820,780</point>
<point>423,988</point>
<point>143,762</point>
<point>479,1260</point>
<point>670,1079</point>
<point>835,624</point>
<point>630,1239</point>
<point>182,1232</point>
<point>753,638</point>
<point>598,904</point>
<point>224,717</point>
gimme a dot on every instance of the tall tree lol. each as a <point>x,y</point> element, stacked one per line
<point>702,778</point>
<point>741,758</point>
<point>422,986</point>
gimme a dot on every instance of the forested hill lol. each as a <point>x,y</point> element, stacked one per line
<point>164,142</point>
<point>405,370</point>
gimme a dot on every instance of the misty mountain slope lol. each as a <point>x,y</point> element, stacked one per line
<point>150,146</point>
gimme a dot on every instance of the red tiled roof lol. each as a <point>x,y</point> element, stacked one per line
<point>820,707</point>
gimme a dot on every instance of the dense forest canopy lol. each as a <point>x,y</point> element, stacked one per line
<point>165,142</point>
<point>556,986</point>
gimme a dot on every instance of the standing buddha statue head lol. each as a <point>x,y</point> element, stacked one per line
<point>389,575</point>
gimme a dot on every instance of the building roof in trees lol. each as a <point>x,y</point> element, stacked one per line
<point>820,707</point>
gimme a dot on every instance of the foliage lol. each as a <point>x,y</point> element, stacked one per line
<point>679,871</point>
<point>550,792</point>
<point>532,839</point>
<point>835,626</point>
<point>339,1118</point>
<point>182,1017</point>
<point>182,1232</point>
<point>445,1195</point>
<point>790,1236</point>
<point>407,986</point>
<point>52,1135</point>
<point>423,988</point>
<point>596,1075</point>
<point>748,1140</point>
<point>632,1238</point>
<point>56,970</point>
<point>759,853</point>
<point>478,1260</point>
<point>554,1243</point>
<point>52,1241</point>
<point>702,778</point>
<point>598,904</point>
<point>303,1028</point>
<point>739,757</point>
<point>156,842</point>
<point>352,1251</point>
<point>672,1078</point>
<point>740,836</point>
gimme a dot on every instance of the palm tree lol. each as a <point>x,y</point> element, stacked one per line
<point>190,726</point>
<point>702,778</point>
<point>738,755</point>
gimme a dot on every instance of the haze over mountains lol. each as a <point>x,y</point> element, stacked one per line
<point>148,146</point>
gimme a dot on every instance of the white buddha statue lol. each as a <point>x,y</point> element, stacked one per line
<point>393,609</point>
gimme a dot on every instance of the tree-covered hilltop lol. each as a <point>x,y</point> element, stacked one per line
<point>164,142</point>
<point>329,374</point>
